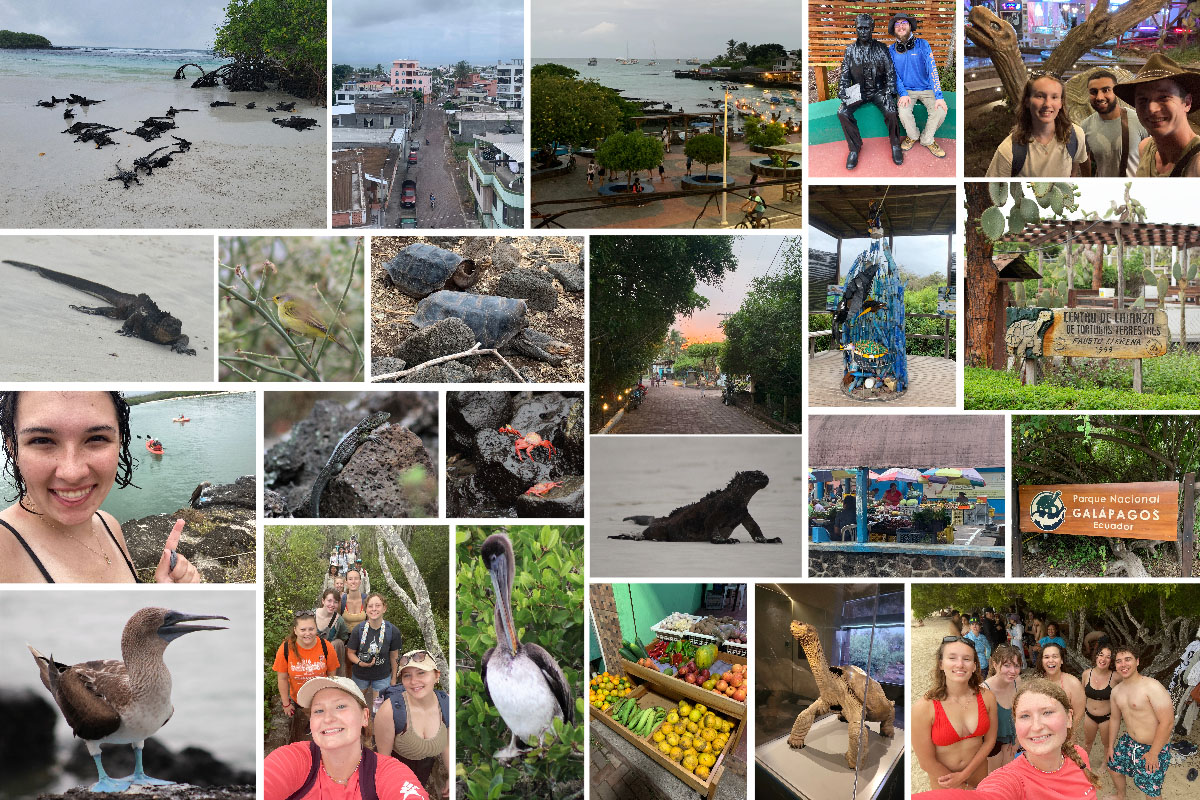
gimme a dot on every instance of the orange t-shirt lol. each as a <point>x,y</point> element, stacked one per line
<point>304,664</point>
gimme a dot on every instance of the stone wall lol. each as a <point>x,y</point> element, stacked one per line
<point>838,560</point>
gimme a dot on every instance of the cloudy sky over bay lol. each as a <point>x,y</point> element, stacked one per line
<point>368,32</point>
<point>117,23</point>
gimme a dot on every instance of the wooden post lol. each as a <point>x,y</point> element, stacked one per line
<point>1187,535</point>
<point>1120,269</point>
<point>837,265</point>
<point>946,337</point>
<point>1137,375</point>
<point>821,76</point>
<point>1014,528</point>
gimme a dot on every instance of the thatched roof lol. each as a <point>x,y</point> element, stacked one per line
<point>841,211</point>
<point>920,442</point>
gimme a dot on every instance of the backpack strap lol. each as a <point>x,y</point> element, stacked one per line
<point>366,775</point>
<point>1072,143</point>
<point>1123,164</point>
<point>314,755</point>
<point>444,704</point>
<point>1019,151</point>
<point>1186,159</point>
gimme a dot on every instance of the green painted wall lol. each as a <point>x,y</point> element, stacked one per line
<point>650,603</point>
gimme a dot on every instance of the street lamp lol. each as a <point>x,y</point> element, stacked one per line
<point>725,166</point>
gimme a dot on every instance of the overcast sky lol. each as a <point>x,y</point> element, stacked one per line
<point>1165,201</point>
<point>920,255</point>
<point>117,23</point>
<point>756,256</point>
<point>584,28</point>
<point>370,32</point>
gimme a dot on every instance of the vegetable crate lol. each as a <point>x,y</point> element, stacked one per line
<point>656,689</point>
<point>735,648</point>
<point>673,635</point>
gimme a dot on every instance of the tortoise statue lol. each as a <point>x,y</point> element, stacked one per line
<point>846,686</point>
<point>497,322</point>
<point>422,268</point>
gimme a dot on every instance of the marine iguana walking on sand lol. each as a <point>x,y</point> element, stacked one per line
<point>712,518</point>
<point>143,318</point>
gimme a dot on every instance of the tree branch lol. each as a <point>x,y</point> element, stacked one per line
<point>417,605</point>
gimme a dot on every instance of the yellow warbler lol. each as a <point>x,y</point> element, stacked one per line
<point>299,317</point>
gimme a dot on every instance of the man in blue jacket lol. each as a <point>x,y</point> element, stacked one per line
<point>917,81</point>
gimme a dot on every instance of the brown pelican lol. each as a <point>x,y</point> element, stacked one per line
<point>121,702</point>
<point>522,681</point>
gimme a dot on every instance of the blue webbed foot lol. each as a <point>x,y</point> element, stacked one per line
<point>139,776</point>
<point>107,784</point>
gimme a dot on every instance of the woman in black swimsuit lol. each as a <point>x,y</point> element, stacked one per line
<point>63,452</point>
<point>1098,681</point>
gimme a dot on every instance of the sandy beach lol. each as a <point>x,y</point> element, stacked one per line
<point>242,171</point>
<point>44,339</point>
<point>655,474</point>
<point>925,641</point>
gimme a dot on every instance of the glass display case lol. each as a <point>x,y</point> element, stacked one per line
<point>829,661</point>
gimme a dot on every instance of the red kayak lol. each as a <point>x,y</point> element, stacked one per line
<point>155,447</point>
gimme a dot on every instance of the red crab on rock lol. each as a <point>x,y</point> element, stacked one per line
<point>541,488</point>
<point>528,442</point>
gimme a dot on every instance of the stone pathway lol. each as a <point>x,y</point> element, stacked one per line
<point>433,176</point>
<point>678,213</point>
<point>931,382</point>
<point>673,409</point>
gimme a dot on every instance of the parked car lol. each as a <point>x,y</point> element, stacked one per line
<point>408,194</point>
<point>412,157</point>
<point>414,145</point>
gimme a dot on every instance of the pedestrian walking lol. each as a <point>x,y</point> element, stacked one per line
<point>591,173</point>
<point>661,172</point>
<point>689,166</point>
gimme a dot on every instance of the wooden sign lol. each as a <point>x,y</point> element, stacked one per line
<point>1124,510</point>
<point>1107,333</point>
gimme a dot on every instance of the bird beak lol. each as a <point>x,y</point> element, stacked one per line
<point>501,581</point>
<point>171,628</point>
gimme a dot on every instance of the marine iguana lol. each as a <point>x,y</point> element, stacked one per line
<point>712,518</point>
<point>142,316</point>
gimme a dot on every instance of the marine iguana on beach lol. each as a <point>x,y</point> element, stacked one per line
<point>712,518</point>
<point>143,318</point>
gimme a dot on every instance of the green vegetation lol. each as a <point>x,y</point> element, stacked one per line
<point>759,134</point>
<point>14,40</point>
<point>565,110</point>
<point>707,148</point>
<point>553,71</point>
<point>547,601</point>
<point>922,300</point>
<point>629,153</point>
<point>701,357</point>
<point>341,74</point>
<point>762,338</point>
<point>285,37</point>
<point>741,54</point>
<point>638,286</point>
<point>1086,387</point>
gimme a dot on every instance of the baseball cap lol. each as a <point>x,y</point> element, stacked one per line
<point>313,685</point>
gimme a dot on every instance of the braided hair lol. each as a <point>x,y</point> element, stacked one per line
<point>1054,692</point>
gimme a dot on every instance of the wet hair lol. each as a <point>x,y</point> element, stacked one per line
<point>1022,131</point>
<point>938,692</point>
<point>1103,73</point>
<point>1056,693</point>
<point>1041,668</point>
<point>1003,654</point>
<point>1101,646</point>
<point>8,432</point>
<point>1131,648</point>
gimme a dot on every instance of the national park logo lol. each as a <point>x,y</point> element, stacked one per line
<point>1047,510</point>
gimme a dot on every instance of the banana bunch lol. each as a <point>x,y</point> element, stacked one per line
<point>640,721</point>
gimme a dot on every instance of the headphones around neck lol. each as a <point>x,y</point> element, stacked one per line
<point>904,47</point>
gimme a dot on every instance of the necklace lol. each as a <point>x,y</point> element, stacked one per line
<point>82,543</point>
<point>348,777</point>
<point>1063,760</point>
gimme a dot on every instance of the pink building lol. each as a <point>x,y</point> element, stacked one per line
<point>407,76</point>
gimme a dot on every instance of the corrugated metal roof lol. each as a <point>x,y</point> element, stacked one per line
<point>919,442</point>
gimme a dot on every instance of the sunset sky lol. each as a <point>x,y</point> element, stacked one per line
<point>754,256</point>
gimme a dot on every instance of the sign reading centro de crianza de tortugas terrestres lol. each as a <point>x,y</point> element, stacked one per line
<point>1125,510</point>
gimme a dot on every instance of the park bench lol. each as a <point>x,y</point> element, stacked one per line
<point>823,125</point>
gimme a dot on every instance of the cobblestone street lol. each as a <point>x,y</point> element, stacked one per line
<point>673,409</point>
<point>433,176</point>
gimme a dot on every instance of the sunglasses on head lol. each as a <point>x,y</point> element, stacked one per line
<point>419,655</point>
<point>1033,76</point>
<point>307,612</point>
<point>963,639</point>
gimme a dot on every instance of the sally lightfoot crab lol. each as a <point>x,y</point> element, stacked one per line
<point>541,488</point>
<point>528,442</point>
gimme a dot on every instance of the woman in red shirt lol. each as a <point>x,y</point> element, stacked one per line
<point>335,765</point>
<point>301,657</point>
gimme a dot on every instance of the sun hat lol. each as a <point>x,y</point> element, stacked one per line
<point>419,659</point>
<point>313,685</point>
<point>1156,68</point>
<point>912,23</point>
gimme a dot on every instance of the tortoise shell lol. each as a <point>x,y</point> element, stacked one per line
<point>493,320</point>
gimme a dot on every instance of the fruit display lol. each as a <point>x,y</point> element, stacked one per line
<point>694,737</point>
<point>640,721</point>
<point>606,689</point>
<point>697,665</point>
<point>731,683</point>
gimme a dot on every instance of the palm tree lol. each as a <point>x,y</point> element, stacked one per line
<point>729,47</point>
<point>743,50</point>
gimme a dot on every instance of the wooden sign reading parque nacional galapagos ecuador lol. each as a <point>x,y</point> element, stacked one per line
<point>1125,510</point>
<point>1107,333</point>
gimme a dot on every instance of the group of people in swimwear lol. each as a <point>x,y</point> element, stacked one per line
<point>988,726</point>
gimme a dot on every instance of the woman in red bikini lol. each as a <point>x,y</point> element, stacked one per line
<point>954,724</point>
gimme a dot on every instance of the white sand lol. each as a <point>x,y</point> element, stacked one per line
<point>44,339</point>
<point>636,475</point>
<point>243,171</point>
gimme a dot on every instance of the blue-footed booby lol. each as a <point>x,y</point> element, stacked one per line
<point>121,702</point>
<point>521,680</point>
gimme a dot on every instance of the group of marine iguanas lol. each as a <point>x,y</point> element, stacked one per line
<point>152,128</point>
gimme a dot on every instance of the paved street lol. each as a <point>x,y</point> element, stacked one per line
<point>432,177</point>
<point>673,409</point>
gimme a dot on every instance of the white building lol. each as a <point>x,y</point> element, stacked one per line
<point>496,180</point>
<point>510,80</point>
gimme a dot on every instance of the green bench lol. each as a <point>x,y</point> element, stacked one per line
<point>823,125</point>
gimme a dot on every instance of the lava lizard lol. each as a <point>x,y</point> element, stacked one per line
<point>354,439</point>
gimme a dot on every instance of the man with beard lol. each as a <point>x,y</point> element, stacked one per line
<point>1163,94</point>
<point>868,76</point>
<point>1113,134</point>
<point>917,81</point>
